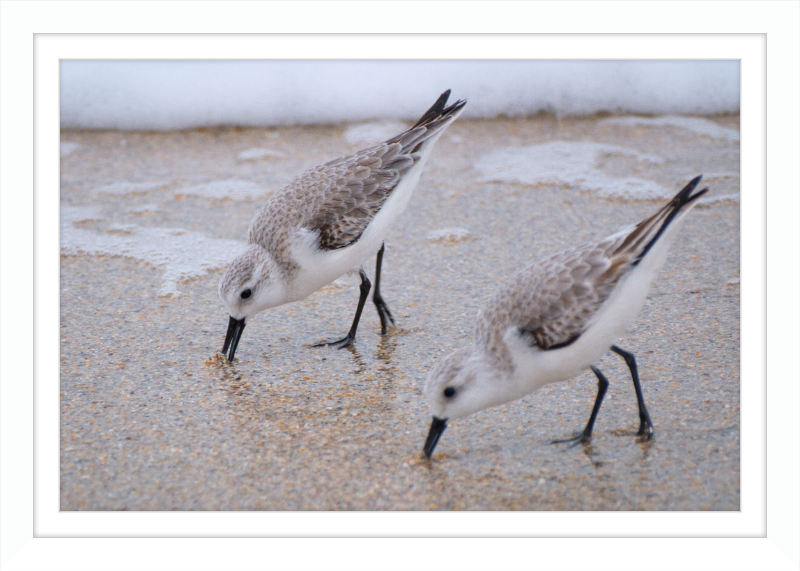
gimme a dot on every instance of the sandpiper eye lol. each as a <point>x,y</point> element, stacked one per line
<point>449,391</point>
<point>246,293</point>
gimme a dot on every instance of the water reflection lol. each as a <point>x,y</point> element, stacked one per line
<point>591,455</point>
<point>385,355</point>
<point>358,359</point>
<point>646,446</point>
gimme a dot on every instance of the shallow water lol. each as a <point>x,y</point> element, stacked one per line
<point>150,420</point>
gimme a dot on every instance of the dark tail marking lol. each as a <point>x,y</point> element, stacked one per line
<point>681,199</point>
<point>439,110</point>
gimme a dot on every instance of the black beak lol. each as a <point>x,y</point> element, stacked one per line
<point>437,427</point>
<point>235,328</point>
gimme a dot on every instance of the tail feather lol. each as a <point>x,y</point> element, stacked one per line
<point>438,110</point>
<point>650,230</point>
<point>432,123</point>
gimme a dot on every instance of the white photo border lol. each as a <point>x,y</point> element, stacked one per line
<point>33,41</point>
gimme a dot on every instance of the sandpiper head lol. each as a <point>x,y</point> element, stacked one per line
<point>456,387</point>
<point>247,287</point>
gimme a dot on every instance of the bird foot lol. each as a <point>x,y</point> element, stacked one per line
<point>646,431</point>
<point>578,438</point>
<point>385,315</point>
<point>345,341</point>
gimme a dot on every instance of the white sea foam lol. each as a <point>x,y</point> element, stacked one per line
<point>231,189</point>
<point>692,124</point>
<point>179,254</point>
<point>721,176</point>
<point>374,132</point>
<point>721,182</point>
<point>448,235</point>
<point>126,187</point>
<point>147,208</point>
<point>68,147</point>
<point>345,282</point>
<point>71,215</point>
<point>569,163</point>
<point>180,94</point>
<point>258,153</point>
<point>711,200</point>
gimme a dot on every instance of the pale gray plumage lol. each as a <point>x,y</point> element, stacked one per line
<point>326,221</point>
<point>555,318</point>
<point>340,198</point>
<point>553,301</point>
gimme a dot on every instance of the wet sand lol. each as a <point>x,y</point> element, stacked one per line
<point>150,421</point>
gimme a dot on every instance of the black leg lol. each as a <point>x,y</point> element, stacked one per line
<point>348,339</point>
<point>383,310</point>
<point>586,435</point>
<point>645,424</point>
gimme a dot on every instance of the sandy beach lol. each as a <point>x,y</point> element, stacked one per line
<point>151,420</point>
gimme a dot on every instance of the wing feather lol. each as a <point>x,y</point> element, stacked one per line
<point>560,307</point>
<point>553,301</point>
<point>337,200</point>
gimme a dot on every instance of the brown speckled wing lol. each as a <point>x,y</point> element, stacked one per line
<point>554,300</point>
<point>358,185</point>
<point>566,290</point>
<point>337,200</point>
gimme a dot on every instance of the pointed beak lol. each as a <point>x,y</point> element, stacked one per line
<point>235,328</point>
<point>437,427</point>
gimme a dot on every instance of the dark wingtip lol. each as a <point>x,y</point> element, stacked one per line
<point>685,196</point>
<point>435,110</point>
<point>681,199</point>
<point>455,107</point>
<point>438,109</point>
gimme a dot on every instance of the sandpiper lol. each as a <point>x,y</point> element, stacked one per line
<point>555,319</point>
<point>329,221</point>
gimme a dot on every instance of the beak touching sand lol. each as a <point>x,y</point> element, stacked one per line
<point>437,427</point>
<point>235,328</point>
